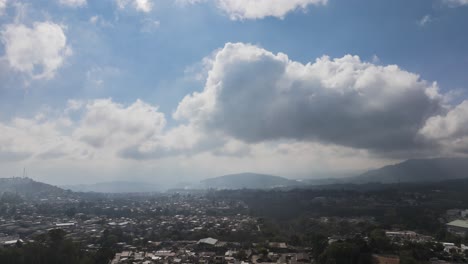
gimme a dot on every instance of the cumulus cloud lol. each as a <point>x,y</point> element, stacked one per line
<point>254,95</point>
<point>108,123</point>
<point>73,3</point>
<point>449,130</point>
<point>104,128</point>
<point>140,5</point>
<point>98,126</point>
<point>257,111</point>
<point>455,3</point>
<point>38,51</point>
<point>258,9</point>
<point>182,140</point>
<point>22,137</point>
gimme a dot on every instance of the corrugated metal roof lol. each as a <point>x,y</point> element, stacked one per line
<point>208,240</point>
<point>459,223</point>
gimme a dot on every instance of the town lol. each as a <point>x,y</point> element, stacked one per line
<point>383,224</point>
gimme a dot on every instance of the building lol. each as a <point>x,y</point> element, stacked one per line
<point>401,234</point>
<point>458,227</point>
<point>208,241</point>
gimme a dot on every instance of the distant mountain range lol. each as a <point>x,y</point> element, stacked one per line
<point>413,170</point>
<point>416,170</point>
<point>249,181</point>
<point>114,187</point>
<point>27,187</point>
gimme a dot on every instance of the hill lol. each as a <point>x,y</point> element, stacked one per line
<point>115,187</point>
<point>28,187</point>
<point>416,170</point>
<point>248,181</point>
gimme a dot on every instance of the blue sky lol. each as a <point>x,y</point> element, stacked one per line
<point>160,52</point>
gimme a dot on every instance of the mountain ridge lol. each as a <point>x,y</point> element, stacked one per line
<point>416,170</point>
<point>248,180</point>
<point>27,186</point>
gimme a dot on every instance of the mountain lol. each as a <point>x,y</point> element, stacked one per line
<point>249,181</point>
<point>115,187</point>
<point>28,187</point>
<point>416,170</point>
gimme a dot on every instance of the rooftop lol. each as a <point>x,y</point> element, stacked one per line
<point>209,240</point>
<point>459,223</point>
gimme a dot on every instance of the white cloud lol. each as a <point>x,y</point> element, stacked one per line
<point>258,9</point>
<point>107,123</point>
<point>3,4</point>
<point>26,137</point>
<point>100,21</point>
<point>450,130</point>
<point>51,136</point>
<point>38,51</point>
<point>425,20</point>
<point>455,3</point>
<point>255,96</point>
<point>73,3</point>
<point>140,5</point>
<point>258,111</point>
<point>143,5</point>
<point>100,127</point>
<point>94,19</point>
<point>123,140</point>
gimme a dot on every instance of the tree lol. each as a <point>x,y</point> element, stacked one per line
<point>345,253</point>
<point>70,212</point>
<point>379,241</point>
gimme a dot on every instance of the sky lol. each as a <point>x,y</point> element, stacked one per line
<point>173,91</point>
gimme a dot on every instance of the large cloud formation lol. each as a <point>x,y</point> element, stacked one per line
<point>259,110</point>
<point>254,95</point>
<point>38,51</point>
